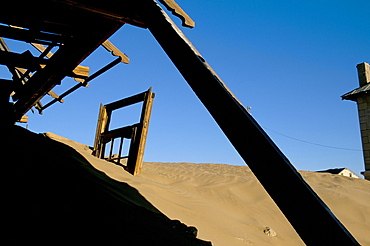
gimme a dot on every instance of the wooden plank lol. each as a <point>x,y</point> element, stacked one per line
<point>308,214</point>
<point>115,51</point>
<point>125,132</point>
<point>102,126</point>
<point>24,119</point>
<point>54,95</point>
<point>126,101</point>
<point>137,147</point>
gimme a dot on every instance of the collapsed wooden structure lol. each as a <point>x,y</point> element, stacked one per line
<point>78,27</point>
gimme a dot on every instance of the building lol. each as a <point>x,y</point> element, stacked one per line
<point>341,171</point>
<point>362,97</point>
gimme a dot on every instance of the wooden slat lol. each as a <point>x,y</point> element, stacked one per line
<point>125,132</point>
<point>126,101</point>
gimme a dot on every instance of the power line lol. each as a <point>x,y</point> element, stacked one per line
<point>308,142</point>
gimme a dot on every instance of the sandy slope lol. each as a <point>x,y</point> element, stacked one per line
<point>229,206</point>
<point>51,195</point>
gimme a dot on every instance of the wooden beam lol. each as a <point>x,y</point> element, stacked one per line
<point>137,146</point>
<point>308,214</point>
<point>61,63</point>
<point>80,73</point>
<point>24,60</point>
<point>126,101</point>
<point>85,83</point>
<point>25,35</point>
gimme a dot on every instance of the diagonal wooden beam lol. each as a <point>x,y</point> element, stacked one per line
<point>79,73</point>
<point>308,214</point>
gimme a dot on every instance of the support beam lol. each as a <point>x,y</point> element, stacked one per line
<point>308,214</point>
<point>24,60</point>
<point>85,83</point>
<point>65,60</point>
<point>30,36</point>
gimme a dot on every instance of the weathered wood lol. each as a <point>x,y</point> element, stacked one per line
<point>24,119</point>
<point>60,64</point>
<point>176,10</point>
<point>125,132</point>
<point>24,60</point>
<point>13,32</point>
<point>307,213</point>
<point>102,126</point>
<point>85,83</point>
<point>80,73</point>
<point>126,101</point>
<point>54,95</point>
<point>137,132</point>
<point>115,51</point>
<point>137,148</point>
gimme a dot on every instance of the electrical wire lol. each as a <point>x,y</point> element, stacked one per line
<point>308,142</point>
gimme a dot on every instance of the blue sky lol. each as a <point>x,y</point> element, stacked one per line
<point>289,60</point>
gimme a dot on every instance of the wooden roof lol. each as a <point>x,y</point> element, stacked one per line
<point>76,27</point>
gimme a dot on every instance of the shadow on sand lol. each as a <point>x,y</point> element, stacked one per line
<point>50,194</point>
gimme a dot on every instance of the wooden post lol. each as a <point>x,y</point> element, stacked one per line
<point>308,214</point>
<point>136,155</point>
<point>102,126</point>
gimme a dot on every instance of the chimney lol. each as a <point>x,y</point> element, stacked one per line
<point>363,71</point>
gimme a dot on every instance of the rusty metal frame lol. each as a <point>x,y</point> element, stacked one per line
<point>136,132</point>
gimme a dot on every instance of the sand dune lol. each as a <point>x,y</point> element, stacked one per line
<point>57,192</point>
<point>52,195</point>
<point>229,206</point>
